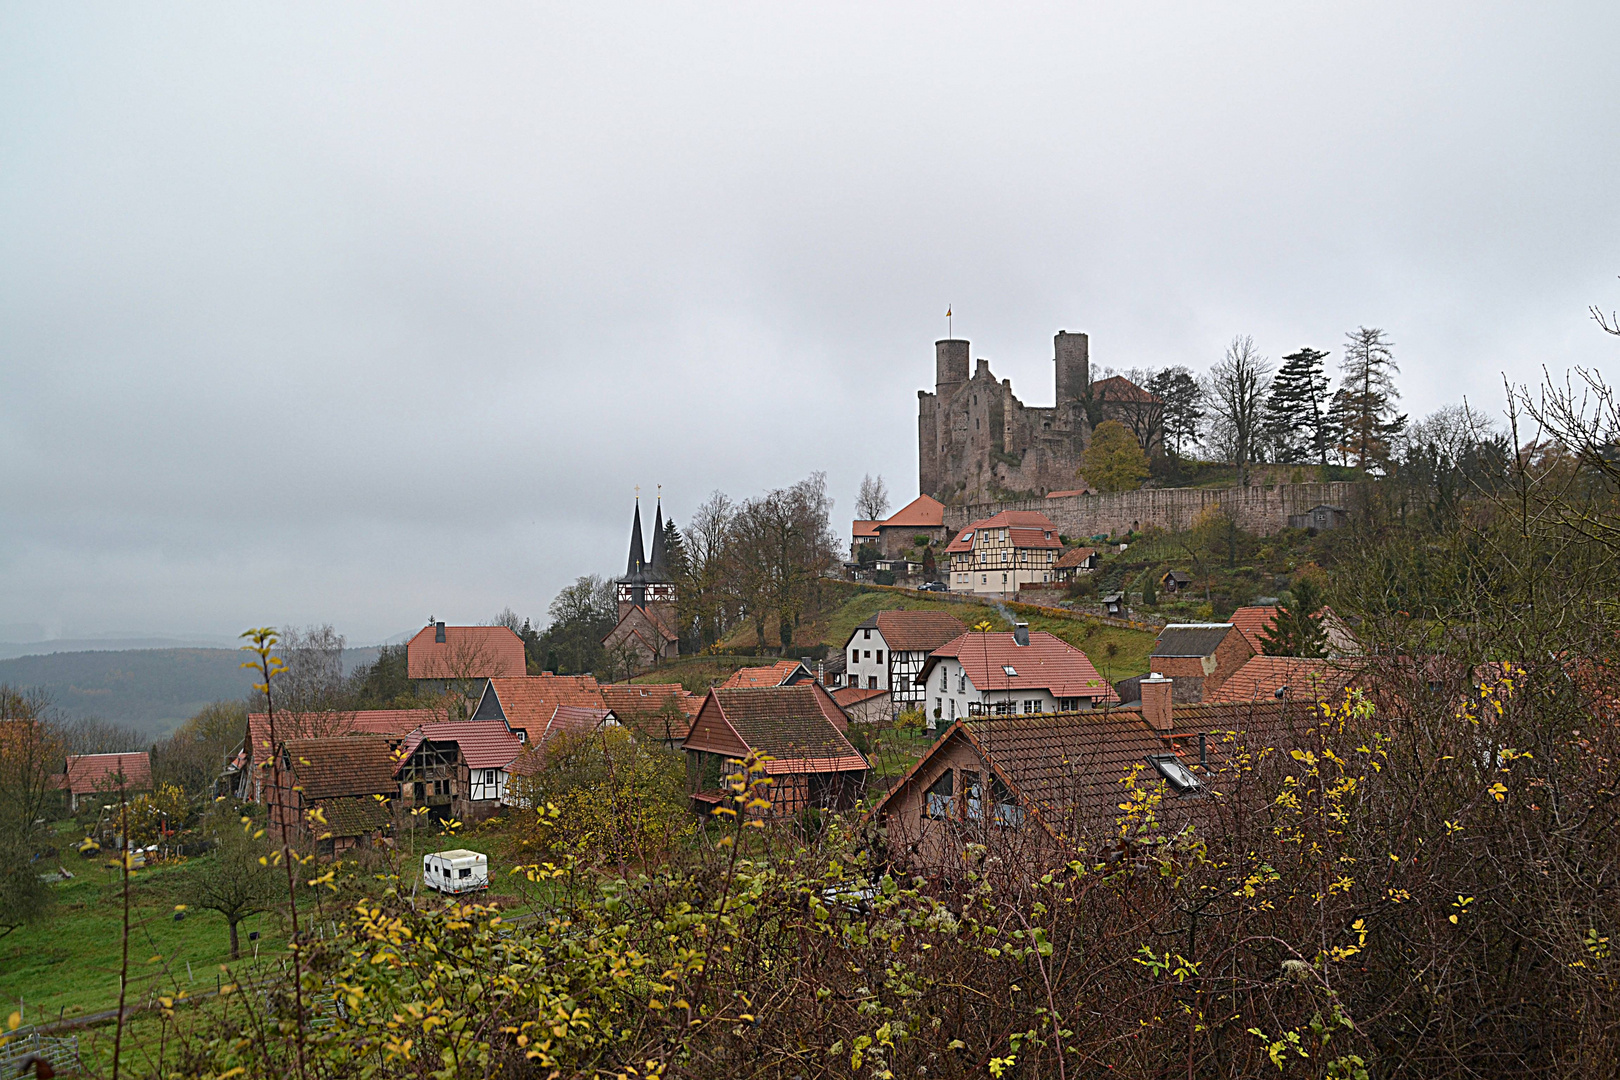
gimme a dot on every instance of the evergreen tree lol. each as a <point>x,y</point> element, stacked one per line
<point>1296,418</point>
<point>1298,629</point>
<point>1363,412</point>
<point>1183,418</point>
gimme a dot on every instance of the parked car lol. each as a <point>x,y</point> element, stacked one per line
<point>934,586</point>
<point>455,871</point>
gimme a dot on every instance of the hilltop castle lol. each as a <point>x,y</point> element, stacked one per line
<point>976,442</point>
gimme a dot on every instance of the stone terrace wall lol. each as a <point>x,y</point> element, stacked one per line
<point>1259,510</point>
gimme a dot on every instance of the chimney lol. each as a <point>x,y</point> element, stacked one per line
<point>438,633</point>
<point>1020,633</point>
<point>1156,695</point>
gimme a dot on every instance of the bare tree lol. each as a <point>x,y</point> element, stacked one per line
<point>236,880</point>
<point>873,501</point>
<point>1236,392</point>
<point>1610,322</point>
<point>703,595</point>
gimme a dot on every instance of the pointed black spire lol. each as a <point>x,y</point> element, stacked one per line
<point>658,552</point>
<point>638,556</point>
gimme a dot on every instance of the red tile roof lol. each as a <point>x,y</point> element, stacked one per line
<point>468,652</point>
<point>1025,529</point>
<point>866,530</point>
<point>1119,388</point>
<point>787,722</point>
<point>88,773</point>
<point>1254,621</point>
<point>1046,663</point>
<point>776,674</point>
<point>923,512</point>
<point>1307,679</point>
<point>485,744</point>
<point>531,701</point>
<point>854,695</point>
<point>1065,494</point>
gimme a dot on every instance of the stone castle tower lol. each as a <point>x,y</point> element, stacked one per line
<point>976,442</point>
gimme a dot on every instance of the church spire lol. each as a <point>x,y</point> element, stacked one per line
<point>658,552</point>
<point>638,557</point>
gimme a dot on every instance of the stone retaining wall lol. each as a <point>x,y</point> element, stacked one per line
<point>1259,510</point>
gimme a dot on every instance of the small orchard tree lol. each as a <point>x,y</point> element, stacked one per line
<point>232,880</point>
<point>1114,461</point>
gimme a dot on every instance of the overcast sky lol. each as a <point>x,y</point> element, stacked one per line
<point>366,313</point>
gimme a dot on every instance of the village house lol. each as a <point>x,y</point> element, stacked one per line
<point>861,534</point>
<point>801,729</point>
<point>1004,674</point>
<point>443,653</point>
<point>1199,657</point>
<point>457,769</point>
<point>888,650</point>
<point>1029,788</point>
<point>102,775</point>
<point>245,774</point>
<point>528,705</point>
<point>998,554</point>
<point>1254,621</point>
<point>1075,563</point>
<point>337,792</point>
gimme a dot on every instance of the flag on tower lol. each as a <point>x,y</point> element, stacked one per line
<point>947,313</point>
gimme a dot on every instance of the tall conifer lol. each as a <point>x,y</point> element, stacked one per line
<point>1296,420</point>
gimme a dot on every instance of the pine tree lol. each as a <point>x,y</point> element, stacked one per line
<point>1297,629</point>
<point>1183,419</point>
<point>1363,412</point>
<point>1296,419</point>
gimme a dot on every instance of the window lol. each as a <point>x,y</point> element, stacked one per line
<point>1009,670</point>
<point>953,709</point>
<point>941,797</point>
<point>1175,774</point>
<point>489,776</point>
<point>1008,814</point>
<point>1032,706</point>
<point>854,656</point>
<point>902,683</point>
<point>984,580</point>
<point>465,872</point>
<point>1006,708</point>
<point>961,683</point>
<point>944,680</point>
<point>869,654</point>
<point>1069,704</point>
<point>871,682</point>
<point>880,656</point>
<point>866,635</point>
<point>975,803</point>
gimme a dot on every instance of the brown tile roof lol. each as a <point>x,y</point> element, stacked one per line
<point>531,701</point>
<point>923,512</point>
<point>914,631</point>
<point>87,773</point>
<point>331,724</point>
<point>787,722</point>
<point>468,652</point>
<point>352,817</point>
<point>1119,388</point>
<point>1069,767</point>
<point>485,744</point>
<point>776,674</point>
<point>1064,494</point>
<point>852,695</point>
<point>1046,663</point>
<point>1074,557</point>
<point>1025,529</point>
<point>653,708</point>
<point>1191,639</point>
<point>865,530</point>
<point>341,766</point>
<point>1307,679</point>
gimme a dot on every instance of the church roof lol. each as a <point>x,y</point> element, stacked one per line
<point>641,570</point>
<point>638,554</point>
<point>657,564</point>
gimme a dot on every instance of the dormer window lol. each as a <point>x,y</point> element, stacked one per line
<point>1180,779</point>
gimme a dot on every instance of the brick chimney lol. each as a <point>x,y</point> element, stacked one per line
<point>1156,694</point>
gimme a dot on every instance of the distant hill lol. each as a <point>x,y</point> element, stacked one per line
<point>150,690</point>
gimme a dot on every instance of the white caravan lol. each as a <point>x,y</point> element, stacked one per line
<point>455,871</point>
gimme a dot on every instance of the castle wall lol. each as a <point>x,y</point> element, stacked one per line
<point>1259,510</point>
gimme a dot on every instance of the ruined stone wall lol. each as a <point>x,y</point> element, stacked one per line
<point>1259,510</point>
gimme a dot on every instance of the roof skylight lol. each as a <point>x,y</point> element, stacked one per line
<point>1175,773</point>
<point>1009,669</point>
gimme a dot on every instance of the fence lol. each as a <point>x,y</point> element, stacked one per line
<point>61,1052</point>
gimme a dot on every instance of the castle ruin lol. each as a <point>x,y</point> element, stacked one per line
<point>976,442</point>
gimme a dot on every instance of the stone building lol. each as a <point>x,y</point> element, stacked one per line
<point>976,441</point>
